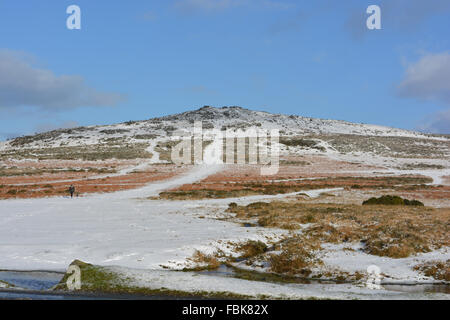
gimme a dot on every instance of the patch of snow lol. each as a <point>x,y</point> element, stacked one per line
<point>194,282</point>
<point>395,270</point>
<point>155,154</point>
<point>48,234</point>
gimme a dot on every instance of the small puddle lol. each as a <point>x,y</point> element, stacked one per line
<point>249,225</point>
<point>27,295</point>
<point>35,285</point>
<point>230,272</point>
<point>418,288</point>
<point>32,280</point>
<point>222,271</point>
<point>36,282</point>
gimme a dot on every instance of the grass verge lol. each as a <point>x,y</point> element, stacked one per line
<point>97,279</point>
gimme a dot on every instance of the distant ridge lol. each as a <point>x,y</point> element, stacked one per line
<point>233,117</point>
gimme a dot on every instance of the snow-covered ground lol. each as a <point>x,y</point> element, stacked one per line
<point>194,282</point>
<point>120,228</point>
<point>397,270</point>
<point>141,236</point>
<point>391,165</point>
<point>48,234</point>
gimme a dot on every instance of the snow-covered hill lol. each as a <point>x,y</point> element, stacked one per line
<point>220,118</point>
<point>153,138</point>
<point>291,124</point>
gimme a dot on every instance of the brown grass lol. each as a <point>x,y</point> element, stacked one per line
<point>251,249</point>
<point>47,185</point>
<point>439,270</point>
<point>221,190</point>
<point>205,194</point>
<point>395,232</point>
<point>205,261</point>
<point>296,258</point>
<point>94,152</point>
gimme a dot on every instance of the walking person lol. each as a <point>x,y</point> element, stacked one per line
<point>71,190</point>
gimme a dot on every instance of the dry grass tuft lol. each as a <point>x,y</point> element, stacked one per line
<point>296,258</point>
<point>221,190</point>
<point>438,270</point>
<point>205,261</point>
<point>251,249</point>
<point>392,201</point>
<point>391,231</point>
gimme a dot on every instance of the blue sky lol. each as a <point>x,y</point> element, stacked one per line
<point>140,59</point>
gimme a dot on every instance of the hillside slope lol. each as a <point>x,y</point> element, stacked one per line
<point>141,139</point>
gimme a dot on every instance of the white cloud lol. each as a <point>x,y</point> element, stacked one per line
<point>408,15</point>
<point>437,123</point>
<point>428,79</point>
<point>23,85</point>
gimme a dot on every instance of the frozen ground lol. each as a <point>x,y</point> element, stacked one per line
<point>394,270</point>
<point>140,236</point>
<point>390,163</point>
<point>116,228</point>
<point>120,228</point>
<point>192,282</point>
